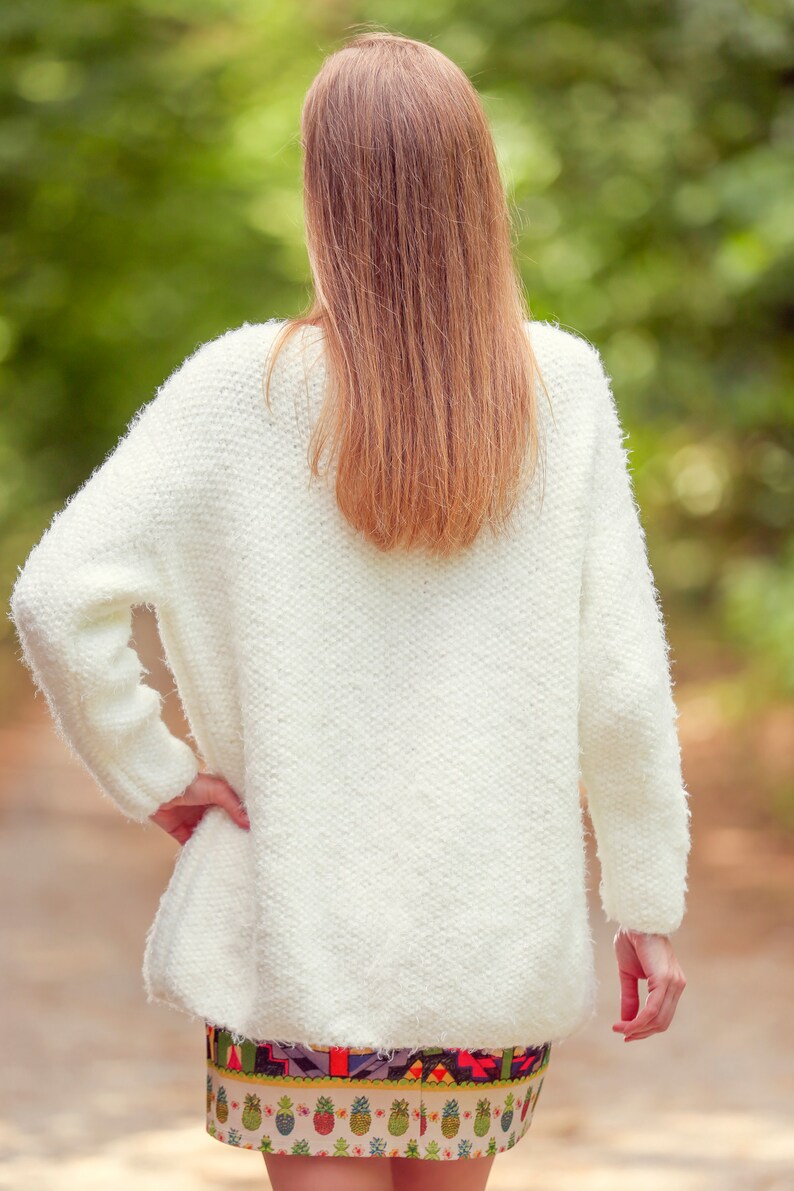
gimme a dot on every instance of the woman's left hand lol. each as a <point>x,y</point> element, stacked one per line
<point>181,815</point>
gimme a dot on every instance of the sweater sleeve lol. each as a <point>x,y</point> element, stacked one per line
<point>72,602</point>
<point>630,757</point>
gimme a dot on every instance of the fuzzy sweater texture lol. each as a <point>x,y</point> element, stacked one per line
<point>408,734</point>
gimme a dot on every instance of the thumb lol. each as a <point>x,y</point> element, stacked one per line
<point>629,995</point>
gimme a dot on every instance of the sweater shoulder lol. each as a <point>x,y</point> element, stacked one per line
<point>211,383</point>
<point>573,372</point>
<point>220,356</point>
<point>565,355</point>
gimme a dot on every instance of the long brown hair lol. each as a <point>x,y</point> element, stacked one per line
<point>431,402</point>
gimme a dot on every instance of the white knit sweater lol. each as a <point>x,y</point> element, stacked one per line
<point>408,735</point>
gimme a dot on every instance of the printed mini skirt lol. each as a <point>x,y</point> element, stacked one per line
<point>354,1102</point>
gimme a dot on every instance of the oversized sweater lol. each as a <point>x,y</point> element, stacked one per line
<point>408,734</point>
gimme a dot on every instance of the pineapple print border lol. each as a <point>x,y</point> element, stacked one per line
<point>433,1103</point>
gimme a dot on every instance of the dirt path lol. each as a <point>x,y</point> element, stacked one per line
<point>103,1090</point>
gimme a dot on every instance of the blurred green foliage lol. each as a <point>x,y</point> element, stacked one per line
<point>149,155</point>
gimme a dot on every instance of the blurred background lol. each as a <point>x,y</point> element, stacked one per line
<point>150,191</point>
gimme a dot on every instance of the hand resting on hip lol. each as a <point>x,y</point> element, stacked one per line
<point>180,816</point>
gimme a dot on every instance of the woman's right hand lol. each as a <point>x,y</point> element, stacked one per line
<point>646,957</point>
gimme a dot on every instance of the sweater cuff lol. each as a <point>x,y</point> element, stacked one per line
<point>644,873</point>
<point>162,772</point>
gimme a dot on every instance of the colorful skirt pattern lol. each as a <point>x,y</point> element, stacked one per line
<point>437,1103</point>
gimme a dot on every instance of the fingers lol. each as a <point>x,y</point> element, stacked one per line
<point>224,796</point>
<point>659,1009</point>
<point>180,816</point>
<point>210,789</point>
<point>650,1014</point>
<point>643,956</point>
<point>660,1021</point>
<point>650,1010</point>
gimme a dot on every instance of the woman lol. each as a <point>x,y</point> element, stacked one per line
<point>394,680</point>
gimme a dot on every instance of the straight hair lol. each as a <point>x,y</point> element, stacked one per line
<point>430,411</point>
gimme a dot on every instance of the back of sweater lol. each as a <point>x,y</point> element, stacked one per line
<point>407,733</point>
